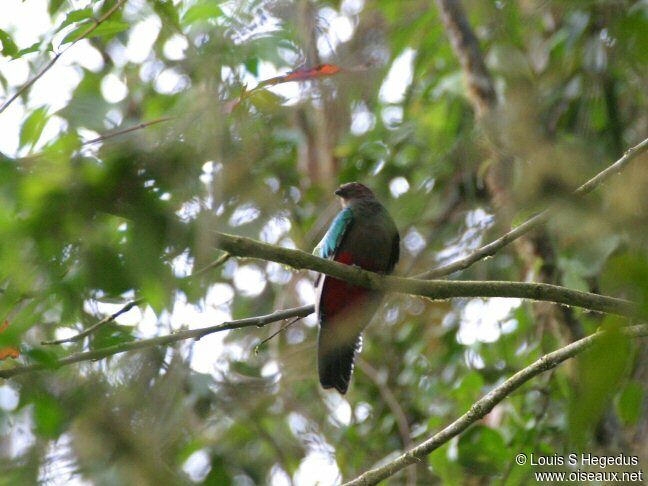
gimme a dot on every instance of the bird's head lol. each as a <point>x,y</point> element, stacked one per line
<point>353,191</point>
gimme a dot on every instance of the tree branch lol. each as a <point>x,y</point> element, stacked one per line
<point>220,261</point>
<point>52,61</point>
<point>434,289</point>
<point>481,87</point>
<point>494,246</point>
<point>127,130</point>
<point>86,332</point>
<point>259,321</point>
<point>484,405</point>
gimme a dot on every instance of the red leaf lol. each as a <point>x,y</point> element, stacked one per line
<point>316,72</point>
<point>299,74</point>
<point>10,351</point>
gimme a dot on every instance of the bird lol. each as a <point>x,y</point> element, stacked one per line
<point>361,234</point>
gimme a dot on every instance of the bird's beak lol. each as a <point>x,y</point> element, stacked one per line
<point>338,192</point>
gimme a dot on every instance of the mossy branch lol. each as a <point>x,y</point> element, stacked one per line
<point>240,246</point>
<point>484,405</point>
<point>259,321</point>
<point>530,224</point>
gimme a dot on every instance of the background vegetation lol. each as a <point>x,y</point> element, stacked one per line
<point>457,153</point>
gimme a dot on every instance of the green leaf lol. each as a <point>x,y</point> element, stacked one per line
<point>75,16</point>
<point>86,109</point>
<point>266,101</point>
<point>110,28</point>
<point>469,388</point>
<point>155,295</point>
<point>218,474</point>
<point>600,369</point>
<point>112,335</point>
<point>188,449</point>
<point>444,467</point>
<point>41,356</point>
<point>167,12</point>
<point>483,450</point>
<point>201,12</point>
<point>245,369</point>
<point>77,33</point>
<point>32,128</point>
<point>627,274</point>
<point>48,416</point>
<point>114,279</point>
<point>630,403</point>
<point>35,47</point>
<point>252,65</point>
<point>9,47</point>
<point>106,29</point>
<point>589,259</point>
<point>573,277</point>
<point>63,146</point>
<point>520,474</point>
<point>54,6</point>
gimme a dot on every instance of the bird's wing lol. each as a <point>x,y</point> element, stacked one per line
<point>339,329</point>
<point>333,237</point>
<point>395,253</point>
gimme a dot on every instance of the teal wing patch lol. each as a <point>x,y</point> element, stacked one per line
<point>333,237</point>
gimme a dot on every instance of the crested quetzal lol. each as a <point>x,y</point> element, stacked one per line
<point>362,234</point>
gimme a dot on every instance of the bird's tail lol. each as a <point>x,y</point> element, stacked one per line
<point>335,359</point>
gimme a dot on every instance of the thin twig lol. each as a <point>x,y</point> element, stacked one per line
<point>94,327</point>
<point>394,406</point>
<point>165,340</point>
<point>215,264</point>
<point>494,246</point>
<point>26,86</point>
<point>282,329</point>
<point>484,405</point>
<point>390,400</point>
<point>127,130</point>
<point>52,61</point>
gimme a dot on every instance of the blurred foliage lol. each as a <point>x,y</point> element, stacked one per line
<point>86,227</point>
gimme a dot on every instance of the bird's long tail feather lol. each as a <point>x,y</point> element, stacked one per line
<point>335,361</point>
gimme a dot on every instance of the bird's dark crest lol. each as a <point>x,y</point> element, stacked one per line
<point>354,190</point>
